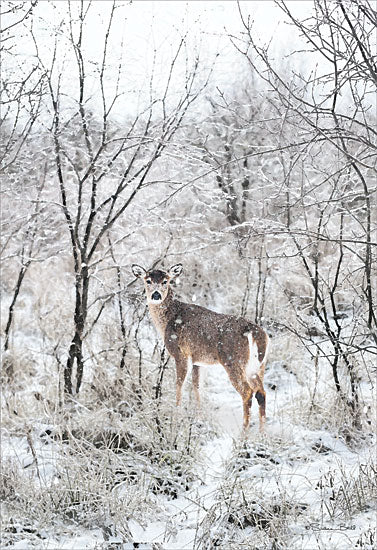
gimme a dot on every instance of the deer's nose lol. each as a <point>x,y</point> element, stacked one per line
<point>156,295</point>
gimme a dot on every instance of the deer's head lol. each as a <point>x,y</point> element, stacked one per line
<point>156,281</point>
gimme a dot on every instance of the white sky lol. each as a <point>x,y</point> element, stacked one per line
<point>148,25</point>
<point>154,23</point>
<point>157,24</point>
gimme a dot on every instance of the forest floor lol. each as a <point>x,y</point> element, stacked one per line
<point>301,485</point>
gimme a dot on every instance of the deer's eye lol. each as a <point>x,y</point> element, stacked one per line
<point>149,282</point>
<point>165,282</point>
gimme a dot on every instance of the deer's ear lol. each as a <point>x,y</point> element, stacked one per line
<point>175,270</point>
<point>138,271</point>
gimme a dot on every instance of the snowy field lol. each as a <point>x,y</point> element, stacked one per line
<point>301,485</point>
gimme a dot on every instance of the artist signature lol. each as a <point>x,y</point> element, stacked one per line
<point>318,527</point>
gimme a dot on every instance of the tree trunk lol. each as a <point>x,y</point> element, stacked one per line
<point>75,355</point>
<point>21,275</point>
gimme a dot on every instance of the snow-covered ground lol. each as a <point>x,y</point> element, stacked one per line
<point>295,484</point>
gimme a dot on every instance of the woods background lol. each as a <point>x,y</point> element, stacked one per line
<point>253,165</point>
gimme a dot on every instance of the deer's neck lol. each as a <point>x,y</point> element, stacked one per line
<point>160,313</point>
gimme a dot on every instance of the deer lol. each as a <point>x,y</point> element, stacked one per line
<point>198,337</point>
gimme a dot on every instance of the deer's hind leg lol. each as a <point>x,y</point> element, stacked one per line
<point>240,383</point>
<point>260,395</point>
<point>246,400</point>
<point>261,398</point>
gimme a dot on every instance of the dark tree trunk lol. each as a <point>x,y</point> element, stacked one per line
<point>8,327</point>
<point>75,355</point>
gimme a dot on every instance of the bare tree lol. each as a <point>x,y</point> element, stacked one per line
<point>99,169</point>
<point>21,93</point>
<point>332,109</point>
<point>21,86</point>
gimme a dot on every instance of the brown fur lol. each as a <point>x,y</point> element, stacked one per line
<point>194,333</point>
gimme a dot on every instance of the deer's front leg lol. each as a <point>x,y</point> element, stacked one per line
<point>195,384</point>
<point>181,371</point>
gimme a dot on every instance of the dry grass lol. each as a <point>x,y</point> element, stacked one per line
<point>121,451</point>
<point>97,461</point>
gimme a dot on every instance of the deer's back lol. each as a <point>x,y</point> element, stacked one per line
<point>209,337</point>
